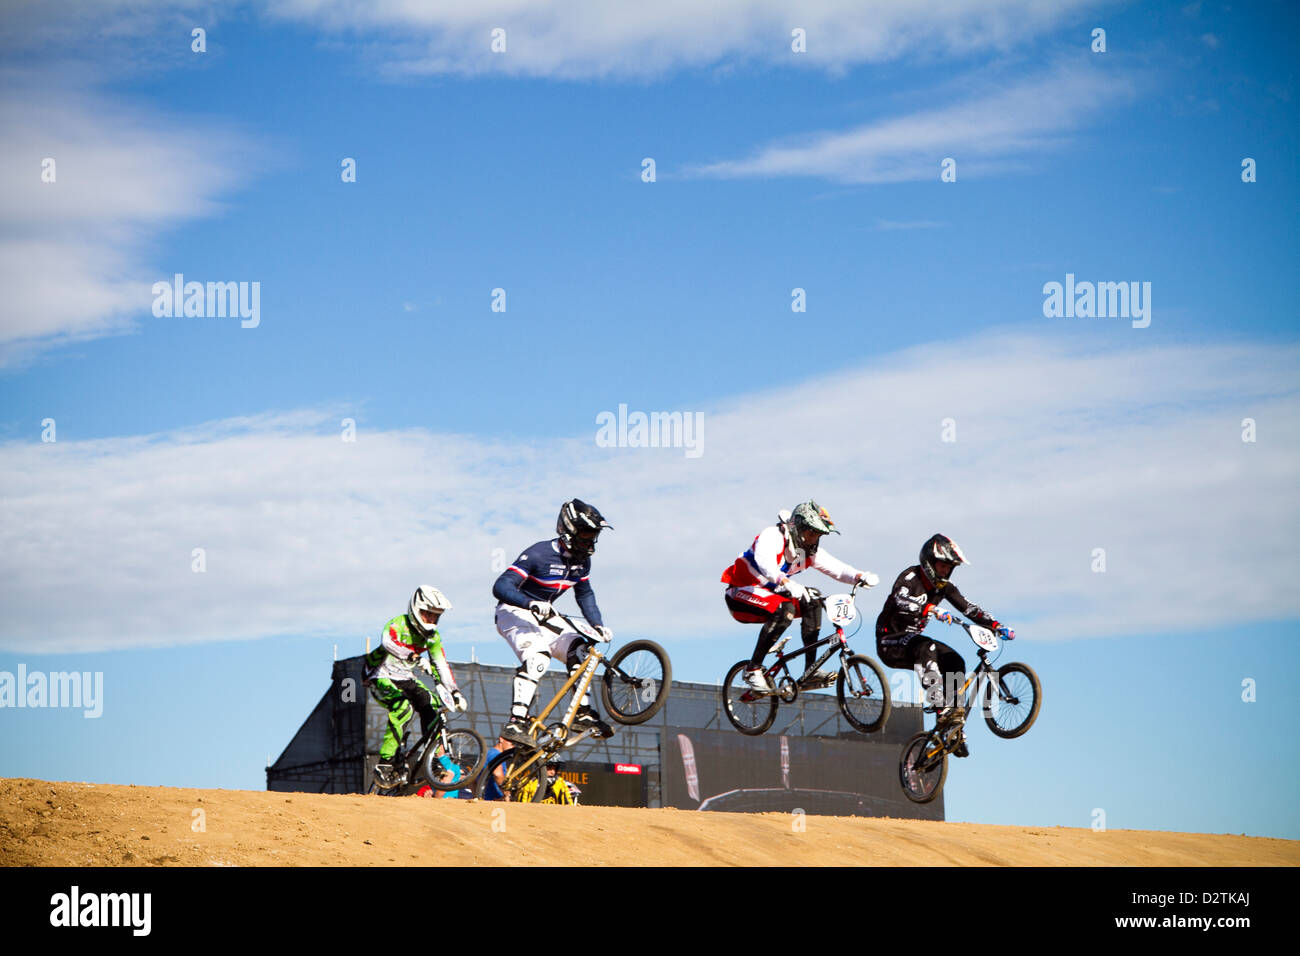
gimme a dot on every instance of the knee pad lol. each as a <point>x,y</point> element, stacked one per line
<point>778,622</point>
<point>527,675</point>
<point>931,682</point>
<point>533,666</point>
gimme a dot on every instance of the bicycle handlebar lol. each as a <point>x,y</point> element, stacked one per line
<point>1002,631</point>
<point>821,598</point>
<point>577,630</point>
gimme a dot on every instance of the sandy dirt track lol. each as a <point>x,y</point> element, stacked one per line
<point>80,824</point>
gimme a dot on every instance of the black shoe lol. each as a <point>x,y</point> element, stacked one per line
<point>517,732</point>
<point>961,750</point>
<point>587,718</point>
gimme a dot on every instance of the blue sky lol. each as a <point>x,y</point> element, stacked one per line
<point>775,171</point>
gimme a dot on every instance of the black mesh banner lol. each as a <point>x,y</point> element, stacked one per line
<point>719,770</point>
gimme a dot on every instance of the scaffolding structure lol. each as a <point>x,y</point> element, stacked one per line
<point>338,742</point>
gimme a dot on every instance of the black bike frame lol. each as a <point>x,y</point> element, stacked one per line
<point>782,662</point>
<point>971,692</point>
<point>414,756</point>
<point>416,753</point>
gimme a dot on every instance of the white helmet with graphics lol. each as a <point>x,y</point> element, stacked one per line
<point>427,605</point>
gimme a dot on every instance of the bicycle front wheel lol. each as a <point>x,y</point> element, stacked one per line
<point>514,778</point>
<point>923,767</point>
<point>636,682</point>
<point>1011,701</point>
<point>466,752</point>
<point>749,711</point>
<point>863,694</point>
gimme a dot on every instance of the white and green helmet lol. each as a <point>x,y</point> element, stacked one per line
<point>426,598</point>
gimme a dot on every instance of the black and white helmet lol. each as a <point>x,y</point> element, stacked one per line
<point>578,526</point>
<point>940,547</point>
<point>428,599</point>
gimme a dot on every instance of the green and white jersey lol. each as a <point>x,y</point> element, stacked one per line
<point>400,648</point>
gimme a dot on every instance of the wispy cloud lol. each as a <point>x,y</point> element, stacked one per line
<point>1135,449</point>
<point>579,39</point>
<point>989,132</point>
<point>73,260</point>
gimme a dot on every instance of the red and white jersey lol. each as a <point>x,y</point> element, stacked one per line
<point>765,564</point>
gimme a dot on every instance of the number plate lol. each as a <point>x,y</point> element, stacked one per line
<point>983,637</point>
<point>585,629</point>
<point>841,609</point>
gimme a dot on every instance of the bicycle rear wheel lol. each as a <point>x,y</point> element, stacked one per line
<point>750,712</point>
<point>1014,707</point>
<point>863,694</point>
<point>515,777</point>
<point>636,682</point>
<point>923,767</point>
<point>465,750</point>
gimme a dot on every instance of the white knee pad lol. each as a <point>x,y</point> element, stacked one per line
<point>527,675</point>
<point>535,664</point>
<point>931,682</point>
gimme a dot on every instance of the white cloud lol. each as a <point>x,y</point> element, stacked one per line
<point>594,38</point>
<point>1136,450</point>
<point>73,260</point>
<point>579,39</point>
<point>988,131</point>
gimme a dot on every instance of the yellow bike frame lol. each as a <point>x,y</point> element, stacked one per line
<point>581,679</point>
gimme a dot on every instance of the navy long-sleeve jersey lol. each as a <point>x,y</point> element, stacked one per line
<point>543,573</point>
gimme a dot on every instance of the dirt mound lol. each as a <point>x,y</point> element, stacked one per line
<point>82,824</point>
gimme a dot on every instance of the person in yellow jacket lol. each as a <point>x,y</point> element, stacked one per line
<point>558,790</point>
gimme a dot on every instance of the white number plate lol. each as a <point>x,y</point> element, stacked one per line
<point>841,609</point>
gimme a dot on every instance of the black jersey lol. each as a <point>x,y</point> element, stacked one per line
<point>904,614</point>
